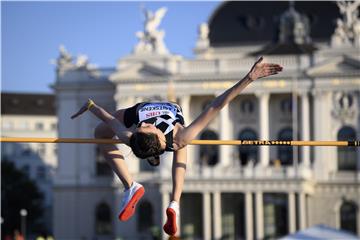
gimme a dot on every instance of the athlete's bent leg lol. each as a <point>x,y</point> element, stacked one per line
<point>113,155</point>
<point>133,190</point>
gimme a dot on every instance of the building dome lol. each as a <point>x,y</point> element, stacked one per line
<point>245,22</point>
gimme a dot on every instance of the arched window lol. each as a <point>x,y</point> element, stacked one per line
<point>248,153</point>
<point>285,154</point>
<point>145,216</point>
<point>346,155</point>
<point>103,224</point>
<point>209,154</point>
<point>102,168</point>
<point>348,213</point>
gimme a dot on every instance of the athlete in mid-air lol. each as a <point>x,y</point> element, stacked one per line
<point>150,129</point>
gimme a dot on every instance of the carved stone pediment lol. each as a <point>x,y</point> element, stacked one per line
<point>139,71</point>
<point>342,65</point>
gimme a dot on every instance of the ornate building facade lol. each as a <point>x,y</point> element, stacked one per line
<point>230,192</point>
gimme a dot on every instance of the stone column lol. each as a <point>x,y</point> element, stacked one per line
<point>217,215</point>
<point>292,212</point>
<point>225,134</point>
<point>206,216</point>
<point>249,216</point>
<point>259,215</point>
<point>264,127</point>
<point>323,104</point>
<point>302,211</point>
<point>305,125</point>
<point>185,105</point>
<point>164,205</point>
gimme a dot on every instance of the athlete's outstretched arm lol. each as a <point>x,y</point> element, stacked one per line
<point>258,70</point>
<point>118,127</point>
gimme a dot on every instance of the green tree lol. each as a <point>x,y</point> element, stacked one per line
<point>19,192</point>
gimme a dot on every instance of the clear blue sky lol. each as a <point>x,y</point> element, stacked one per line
<point>104,31</point>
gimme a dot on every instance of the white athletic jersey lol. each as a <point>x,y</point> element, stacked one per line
<point>164,116</point>
<point>151,110</point>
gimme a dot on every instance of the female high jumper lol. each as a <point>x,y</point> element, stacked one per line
<point>150,129</point>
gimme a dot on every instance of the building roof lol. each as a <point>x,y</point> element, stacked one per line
<point>27,104</point>
<point>246,22</point>
<point>285,49</point>
<point>337,66</point>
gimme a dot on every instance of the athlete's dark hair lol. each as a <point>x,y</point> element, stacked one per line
<point>146,146</point>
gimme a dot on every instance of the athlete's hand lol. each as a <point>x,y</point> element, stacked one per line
<point>83,109</point>
<point>260,69</point>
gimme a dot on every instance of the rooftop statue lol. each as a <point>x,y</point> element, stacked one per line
<point>66,62</point>
<point>203,36</point>
<point>350,11</point>
<point>151,40</point>
<point>65,59</point>
<point>347,32</point>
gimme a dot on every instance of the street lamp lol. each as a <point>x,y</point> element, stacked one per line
<point>23,214</point>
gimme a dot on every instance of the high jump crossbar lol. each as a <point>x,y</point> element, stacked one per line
<point>193,142</point>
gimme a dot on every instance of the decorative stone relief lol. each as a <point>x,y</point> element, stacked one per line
<point>347,31</point>
<point>151,40</point>
<point>356,29</point>
<point>344,107</point>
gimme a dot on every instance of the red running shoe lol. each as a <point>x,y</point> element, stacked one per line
<point>172,213</point>
<point>129,201</point>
